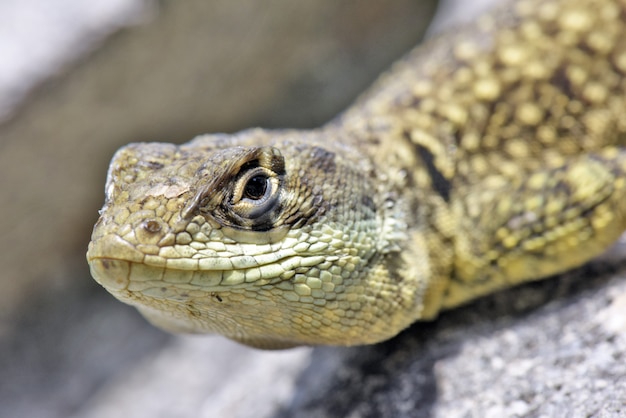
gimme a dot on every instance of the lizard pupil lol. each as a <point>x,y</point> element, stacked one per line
<point>255,187</point>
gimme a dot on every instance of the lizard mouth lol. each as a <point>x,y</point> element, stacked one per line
<point>112,274</point>
<point>118,266</point>
<point>122,276</point>
<point>121,269</point>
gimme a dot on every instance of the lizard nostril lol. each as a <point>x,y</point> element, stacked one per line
<point>151,226</point>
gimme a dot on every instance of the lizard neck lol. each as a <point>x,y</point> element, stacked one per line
<point>414,182</point>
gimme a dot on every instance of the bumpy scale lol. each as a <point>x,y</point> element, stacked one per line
<point>485,158</point>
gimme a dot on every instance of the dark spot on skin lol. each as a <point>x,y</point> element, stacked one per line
<point>164,289</point>
<point>248,166</point>
<point>395,267</point>
<point>323,160</point>
<point>368,203</point>
<point>414,102</point>
<point>216,296</point>
<point>562,81</point>
<point>152,226</point>
<point>193,311</point>
<point>586,48</point>
<point>105,263</point>
<point>263,226</point>
<point>440,183</point>
<point>151,165</point>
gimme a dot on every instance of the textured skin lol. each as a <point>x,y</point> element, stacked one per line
<point>486,158</point>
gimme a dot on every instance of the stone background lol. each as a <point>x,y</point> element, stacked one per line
<point>78,80</point>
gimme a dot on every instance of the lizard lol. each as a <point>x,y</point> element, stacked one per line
<point>483,159</point>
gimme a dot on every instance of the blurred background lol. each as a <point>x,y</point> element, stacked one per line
<point>80,79</point>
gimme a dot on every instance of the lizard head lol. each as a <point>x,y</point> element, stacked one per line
<point>273,246</point>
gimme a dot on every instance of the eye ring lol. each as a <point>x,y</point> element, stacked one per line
<point>256,193</point>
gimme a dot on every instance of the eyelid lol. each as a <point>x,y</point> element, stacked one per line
<point>257,208</point>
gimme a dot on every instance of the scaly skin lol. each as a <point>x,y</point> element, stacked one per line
<point>486,158</point>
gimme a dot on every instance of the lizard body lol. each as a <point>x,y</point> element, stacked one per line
<point>483,159</point>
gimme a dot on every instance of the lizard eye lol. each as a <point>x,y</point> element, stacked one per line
<point>247,196</point>
<point>256,193</point>
<point>256,187</point>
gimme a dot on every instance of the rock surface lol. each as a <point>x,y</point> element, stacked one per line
<point>550,349</point>
<point>68,349</point>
